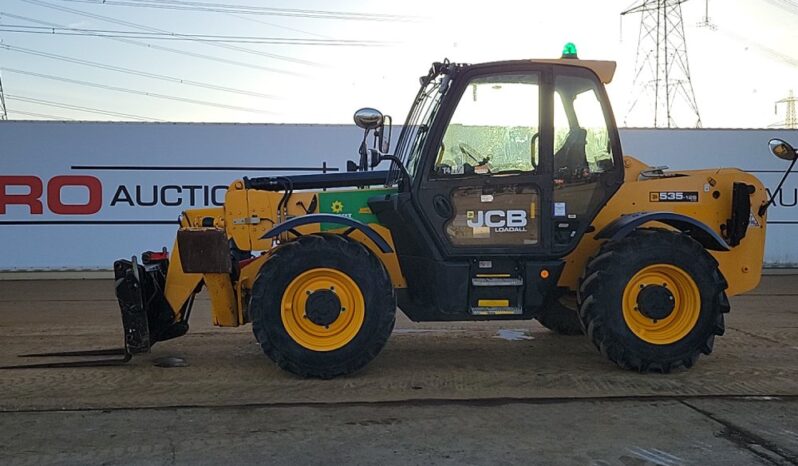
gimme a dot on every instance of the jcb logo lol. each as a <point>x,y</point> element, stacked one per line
<point>515,219</point>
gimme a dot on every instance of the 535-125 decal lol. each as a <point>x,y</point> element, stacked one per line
<point>673,196</point>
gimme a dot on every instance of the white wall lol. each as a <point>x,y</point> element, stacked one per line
<point>104,151</point>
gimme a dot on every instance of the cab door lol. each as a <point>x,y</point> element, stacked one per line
<point>520,161</point>
<point>486,186</point>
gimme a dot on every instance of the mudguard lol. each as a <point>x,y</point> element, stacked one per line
<point>310,219</point>
<point>697,230</point>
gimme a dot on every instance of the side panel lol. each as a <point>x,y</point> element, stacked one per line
<point>262,211</point>
<point>351,204</point>
<point>705,195</point>
<point>236,207</point>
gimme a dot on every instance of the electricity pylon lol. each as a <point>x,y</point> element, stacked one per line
<point>790,119</point>
<point>663,90</point>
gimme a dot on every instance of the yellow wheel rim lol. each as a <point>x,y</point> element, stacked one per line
<point>322,337</point>
<point>686,304</point>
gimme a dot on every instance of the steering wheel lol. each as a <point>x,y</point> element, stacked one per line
<point>532,143</point>
<point>471,153</point>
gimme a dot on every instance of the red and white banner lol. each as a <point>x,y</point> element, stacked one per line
<point>78,195</point>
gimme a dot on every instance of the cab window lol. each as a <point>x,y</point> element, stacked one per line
<point>494,129</point>
<point>582,145</point>
<point>582,155</point>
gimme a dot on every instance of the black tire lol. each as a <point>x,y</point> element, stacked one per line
<point>322,251</point>
<point>601,300</point>
<point>560,314</point>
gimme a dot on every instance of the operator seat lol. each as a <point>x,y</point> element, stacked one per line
<point>571,156</point>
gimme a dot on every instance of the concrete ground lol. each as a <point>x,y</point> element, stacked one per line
<point>452,393</point>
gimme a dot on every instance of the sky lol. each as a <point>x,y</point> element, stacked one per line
<point>739,68</point>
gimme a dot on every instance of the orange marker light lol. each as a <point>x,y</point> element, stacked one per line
<point>544,274</point>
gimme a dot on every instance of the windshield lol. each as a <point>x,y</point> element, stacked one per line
<point>418,123</point>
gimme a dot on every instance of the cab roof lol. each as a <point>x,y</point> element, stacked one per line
<point>605,70</point>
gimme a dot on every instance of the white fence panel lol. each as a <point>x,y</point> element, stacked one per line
<point>78,195</point>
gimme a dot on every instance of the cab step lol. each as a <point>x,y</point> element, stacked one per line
<point>496,311</point>
<point>497,281</point>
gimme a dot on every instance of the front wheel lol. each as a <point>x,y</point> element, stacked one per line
<point>653,301</point>
<point>322,306</point>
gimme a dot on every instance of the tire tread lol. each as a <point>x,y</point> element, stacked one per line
<point>607,262</point>
<point>383,303</point>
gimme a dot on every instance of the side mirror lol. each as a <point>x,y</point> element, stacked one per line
<point>785,151</point>
<point>371,119</point>
<point>368,118</point>
<point>782,149</point>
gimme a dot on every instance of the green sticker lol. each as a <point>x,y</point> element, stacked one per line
<point>352,204</point>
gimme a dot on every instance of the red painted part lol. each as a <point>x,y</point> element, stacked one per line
<point>246,262</point>
<point>158,256</point>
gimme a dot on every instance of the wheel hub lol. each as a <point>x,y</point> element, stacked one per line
<point>661,304</point>
<point>655,302</point>
<point>323,307</point>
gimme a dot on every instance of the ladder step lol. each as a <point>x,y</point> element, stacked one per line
<point>497,281</point>
<point>496,311</point>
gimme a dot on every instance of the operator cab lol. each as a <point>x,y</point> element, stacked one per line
<point>504,167</point>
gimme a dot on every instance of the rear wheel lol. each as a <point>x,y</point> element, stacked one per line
<point>653,301</point>
<point>560,314</point>
<point>322,306</point>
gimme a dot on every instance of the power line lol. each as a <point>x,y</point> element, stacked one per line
<point>163,48</point>
<point>278,26</point>
<point>18,28</point>
<point>79,108</point>
<point>136,92</point>
<point>3,110</point>
<point>773,53</point>
<point>280,11</point>
<point>788,5</point>
<point>267,23</point>
<point>41,115</point>
<point>249,9</point>
<point>146,74</point>
<point>143,27</point>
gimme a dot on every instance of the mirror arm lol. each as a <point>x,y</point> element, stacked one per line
<point>395,159</point>
<point>764,207</point>
<point>378,137</point>
<point>363,151</point>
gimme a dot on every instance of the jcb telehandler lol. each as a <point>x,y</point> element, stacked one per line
<point>508,197</point>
